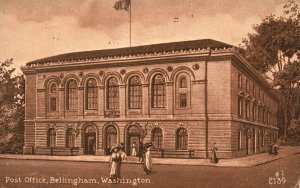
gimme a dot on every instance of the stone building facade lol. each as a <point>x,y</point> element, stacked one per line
<point>181,95</point>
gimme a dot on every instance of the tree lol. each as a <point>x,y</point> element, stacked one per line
<point>274,50</point>
<point>12,108</point>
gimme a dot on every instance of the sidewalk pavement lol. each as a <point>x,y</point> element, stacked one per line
<point>248,161</point>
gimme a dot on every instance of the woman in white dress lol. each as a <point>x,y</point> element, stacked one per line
<point>133,151</point>
<point>147,159</point>
<point>115,161</point>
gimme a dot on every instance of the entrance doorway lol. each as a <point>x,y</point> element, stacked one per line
<point>133,140</point>
<point>110,138</point>
<point>90,140</point>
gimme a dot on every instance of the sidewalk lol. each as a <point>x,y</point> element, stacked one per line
<point>248,161</point>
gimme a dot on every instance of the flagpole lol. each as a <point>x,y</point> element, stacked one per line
<point>130,23</point>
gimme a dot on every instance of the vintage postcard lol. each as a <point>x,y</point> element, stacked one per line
<point>149,93</point>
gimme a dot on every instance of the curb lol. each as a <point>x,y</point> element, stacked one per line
<point>191,163</point>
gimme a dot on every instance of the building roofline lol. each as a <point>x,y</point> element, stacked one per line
<point>132,51</point>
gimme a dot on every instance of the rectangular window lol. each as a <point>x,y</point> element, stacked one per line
<point>113,98</point>
<point>247,109</point>
<point>72,99</point>
<point>240,140</point>
<point>254,91</point>
<point>259,114</point>
<point>247,86</point>
<point>183,101</point>
<point>240,80</point>
<point>254,111</point>
<point>135,97</point>
<point>52,104</point>
<point>240,107</point>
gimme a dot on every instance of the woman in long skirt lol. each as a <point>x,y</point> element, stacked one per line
<point>147,161</point>
<point>115,161</point>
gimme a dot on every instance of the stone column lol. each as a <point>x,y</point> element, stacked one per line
<point>146,100</point>
<point>170,99</point>
<point>122,100</point>
<point>101,101</point>
<point>61,102</point>
<point>80,101</point>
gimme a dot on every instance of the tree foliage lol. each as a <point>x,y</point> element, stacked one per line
<point>274,50</point>
<point>12,108</point>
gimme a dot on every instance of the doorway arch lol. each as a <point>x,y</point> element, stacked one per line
<point>133,138</point>
<point>111,138</point>
<point>89,140</point>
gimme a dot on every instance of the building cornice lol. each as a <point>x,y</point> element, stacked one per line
<point>128,59</point>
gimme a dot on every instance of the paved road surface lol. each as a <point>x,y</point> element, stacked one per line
<point>47,173</point>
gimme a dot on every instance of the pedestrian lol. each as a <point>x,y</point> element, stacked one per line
<point>141,153</point>
<point>122,153</point>
<point>133,151</point>
<point>270,147</point>
<point>123,157</point>
<point>115,160</point>
<point>214,158</point>
<point>147,158</point>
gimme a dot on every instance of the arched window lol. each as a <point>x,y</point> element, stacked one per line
<point>72,95</point>
<point>51,138</point>
<point>135,93</point>
<point>182,139</point>
<point>157,137</point>
<point>112,94</point>
<point>91,94</point>
<point>182,91</point>
<point>111,136</point>
<point>183,82</point>
<point>53,88</point>
<point>53,97</point>
<point>70,138</point>
<point>158,91</point>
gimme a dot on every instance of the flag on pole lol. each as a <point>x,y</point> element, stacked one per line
<point>122,5</point>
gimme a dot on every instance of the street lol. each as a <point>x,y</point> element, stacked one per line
<point>41,173</point>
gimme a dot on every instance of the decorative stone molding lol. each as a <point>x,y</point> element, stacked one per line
<point>123,71</point>
<point>196,66</point>
<point>133,56</point>
<point>52,126</point>
<point>198,82</point>
<point>169,68</point>
<point>145,70</point>
<point>101,73</point>
<point>80,74</point>
<point>112,113</point>
<point>169,83</point>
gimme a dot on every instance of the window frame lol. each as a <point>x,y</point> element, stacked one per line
<point>157,137</point>
<point>91,94</point>
<point>72,95</point>
<point>182,139</point>
<point>51,137</point>
<point>158,93</point>
<point>135,93</point>
<point>112,94</point>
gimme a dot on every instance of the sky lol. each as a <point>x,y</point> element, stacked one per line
<point>34,29</point>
